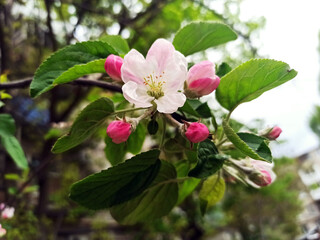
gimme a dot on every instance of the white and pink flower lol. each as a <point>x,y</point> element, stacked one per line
<point>159,78</point>
<point>3,231</point>
<point>6,212</point>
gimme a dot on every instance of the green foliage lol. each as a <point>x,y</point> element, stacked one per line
<point>209,160</point>
<point>186,188</point>
<point>251,79</point>
<point>9,141</point>
<point>117,42</point>
<point>156,201</point>
<point>117,184</point>
<point>199,36</point>
<point>87,122</point>
<point>315,121</point>
<point>223,69</point>
<point>196,108</point>
<point>212,191</point>
<point>69,63</point>
<point>249,144</point>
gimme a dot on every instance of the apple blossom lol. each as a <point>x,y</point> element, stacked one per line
<point>113,66</point>
<point>274,133</point>
<point>119,131</point>
<point>262,174</point>
<point>2,231</point>
<point>158,78</point>
<point>196,132</point>
<point>201,79</point>
<point>6,212</point>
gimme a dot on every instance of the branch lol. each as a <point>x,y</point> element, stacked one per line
<point>24,83</point>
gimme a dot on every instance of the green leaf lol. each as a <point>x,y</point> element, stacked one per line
<point>186,188</point>
<point>1,104</point>
<point>117,42</point>
<point>198,36</point>
<point>251,79</point>
<point>209,160</point>
<point>62,64</point>
<point>212,192</point>
<point>87,122</point>
<point>13,147</point>
<point>117,184</point>
<point>4,95</point>
<point>12,176</point>
<point>9,141</point>
<point>258,144</point>
<point>115,152</point>
<point>258,149</point>
<point>223,69</point>
<point>136,139</point>
<point>7,125</point>
<point>196,108</point>
<point>96,66</point>
<point>154,202</point>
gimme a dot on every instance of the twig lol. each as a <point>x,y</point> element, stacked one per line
<point>24,83</point>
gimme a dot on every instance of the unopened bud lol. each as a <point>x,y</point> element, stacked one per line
<point>262,178</point>
<point>274,133</point>
<point>196,132</point>
<point>119,131</point>
<point>201,80</point>
<point>113,66</point>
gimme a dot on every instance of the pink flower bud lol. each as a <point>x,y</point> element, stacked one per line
<point>196,132</point>
<point>2,231</point>
<point>262,178</point>
<point>113,66</point>
<point>201,79</point>
<point>119,131</point>
<point>274,133</point>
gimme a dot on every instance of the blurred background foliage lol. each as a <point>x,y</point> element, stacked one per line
<point>29,32</point>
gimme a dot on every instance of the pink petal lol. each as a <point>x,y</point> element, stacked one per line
<point>204,86</point>
<point>204,69</point>
<point>160,51</point>
<point>170,103</point>
<point>135,67</point>
<point>137,94</point>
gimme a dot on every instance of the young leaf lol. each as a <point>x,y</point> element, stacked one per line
<point>117,42</point>
<point>1,104</point>
<point>13,147</point>
<point>209,160</point>
<point>87,122</point>
<point>117,184</point>
<point>136,139</point>
<point>153,127</point>
<point>223,69</point>
<point>9,141</point>
<point>196,108</point>
<point>63,63</point>
<point>186,188</point>
<point>212,192</point>
<point>156,201</point>
<point>198,36</point>
<point>251,79</point>
<point>114,152</point>
<point>249,144</point>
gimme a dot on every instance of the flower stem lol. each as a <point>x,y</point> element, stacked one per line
<point>164,127</point>
<point>127,110</point>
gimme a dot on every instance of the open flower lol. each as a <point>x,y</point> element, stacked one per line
<point>158,78</point>
<point>6,212</point>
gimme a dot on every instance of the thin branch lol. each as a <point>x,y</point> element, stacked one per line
<point>24,83</point>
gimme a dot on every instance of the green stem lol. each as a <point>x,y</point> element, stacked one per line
<point>164,126</point>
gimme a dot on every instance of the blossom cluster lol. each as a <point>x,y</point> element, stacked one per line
<point>6,213</point>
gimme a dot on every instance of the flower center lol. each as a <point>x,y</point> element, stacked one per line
<point>154,84</point>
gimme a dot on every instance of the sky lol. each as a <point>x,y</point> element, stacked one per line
<point>290,35</point>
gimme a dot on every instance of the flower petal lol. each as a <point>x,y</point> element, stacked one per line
<point>160,52</point>
<point>204,69</point>
<point>170,103</point>
<point>135,67</point>
<point>137,94</point>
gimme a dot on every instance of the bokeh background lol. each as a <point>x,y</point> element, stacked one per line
<point>279,29</point>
